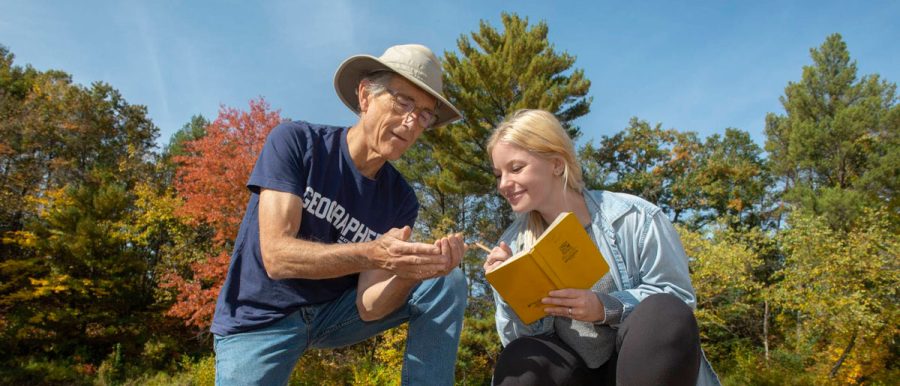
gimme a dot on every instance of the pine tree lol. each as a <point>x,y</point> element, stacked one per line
<point>73,280</point>
<point>838,145</point>
<point>494,74</point>
<point>501,73</point>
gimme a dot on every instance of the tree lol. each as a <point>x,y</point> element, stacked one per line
<point>55,133</point>
<point>213,176</point>
<point>17,171</point>
<point>94,284</point>
<point>729,307</point>
<point>653,163</point>
<point>695,182</point>
<point>494,74</point>
<point>507,71</point>
<point>833,146</point>
<point>212,181</point>
<point>838,295</point>
<point>73,281</point>
<point>191,131</point>
<point>732,179</point>
<point>19,177</point>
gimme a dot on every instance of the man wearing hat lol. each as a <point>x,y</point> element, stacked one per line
<point>323,257</point>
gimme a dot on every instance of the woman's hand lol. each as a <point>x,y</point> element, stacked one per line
<point>575,304</point>
<point>497,256</point>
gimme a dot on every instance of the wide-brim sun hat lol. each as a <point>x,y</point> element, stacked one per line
<point>414,62</point>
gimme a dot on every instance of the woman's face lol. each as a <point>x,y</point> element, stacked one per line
<point>527,181</point>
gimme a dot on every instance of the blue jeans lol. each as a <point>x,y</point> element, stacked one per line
<point>434,310</point>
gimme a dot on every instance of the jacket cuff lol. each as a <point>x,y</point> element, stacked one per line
<point>613,309</point>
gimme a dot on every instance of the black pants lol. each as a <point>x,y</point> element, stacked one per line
<point>658,344</point>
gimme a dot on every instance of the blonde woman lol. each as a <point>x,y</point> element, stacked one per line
<point>635,326</point>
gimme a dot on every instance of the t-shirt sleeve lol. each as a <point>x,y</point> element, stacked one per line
<point>283,163</point>
<point>409,211</point>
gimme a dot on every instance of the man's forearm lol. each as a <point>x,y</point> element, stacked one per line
<point>291,258</point>
<point>381,293</point>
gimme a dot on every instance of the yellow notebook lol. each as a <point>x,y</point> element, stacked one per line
<point>562,257</point>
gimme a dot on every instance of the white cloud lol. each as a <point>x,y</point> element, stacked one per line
<point>148,39</point>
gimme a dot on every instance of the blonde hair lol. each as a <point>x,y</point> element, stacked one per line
<point>540,133</point>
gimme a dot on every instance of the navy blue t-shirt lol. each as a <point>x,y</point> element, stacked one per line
<point>340,205</point>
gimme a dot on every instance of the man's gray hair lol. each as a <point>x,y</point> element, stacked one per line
<point>377,82</point>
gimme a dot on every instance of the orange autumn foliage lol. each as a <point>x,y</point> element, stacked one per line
<point>196,298</point>
<point>211,179</point>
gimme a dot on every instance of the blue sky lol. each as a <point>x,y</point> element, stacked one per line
<point>701,66</point>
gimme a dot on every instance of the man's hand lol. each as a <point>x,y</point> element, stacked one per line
<point>452,248</point>
<point>418,261</point>
<point>498,255</point>
<point>402,265</point>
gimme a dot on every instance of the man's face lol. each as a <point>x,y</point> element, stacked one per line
<point>388,128</point>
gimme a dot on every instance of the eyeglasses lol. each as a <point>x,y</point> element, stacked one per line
<point>404,105</point>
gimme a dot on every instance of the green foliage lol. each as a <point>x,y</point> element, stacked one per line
<point>331,367</point>
<point>160,379</point>
<point>732,179</point>
<point>729,309</point>
<point>39,371</point>
<point>203,371</point>
<point>646,161</point>
<point>89,224</point>
<point>838,293</point>
<point>93,289</point>
<point>833,147</point>
<point>191,131</point>
<point>199,372</point>
<point>112,370</point>
<point>494,73</point>
<point>696,183</point>
<point>376,361</point>
<point>785,368</point>
<point>479,347</point>
<point>76,280</point>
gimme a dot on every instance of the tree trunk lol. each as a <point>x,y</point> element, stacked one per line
<point>766,330</point>
<point>844,355</point>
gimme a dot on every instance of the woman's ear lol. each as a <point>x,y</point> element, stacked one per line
<point>559,166</point>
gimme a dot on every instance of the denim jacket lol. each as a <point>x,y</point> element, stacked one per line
<point>645,257</point>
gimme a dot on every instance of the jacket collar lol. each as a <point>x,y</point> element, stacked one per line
<point>606,204</point>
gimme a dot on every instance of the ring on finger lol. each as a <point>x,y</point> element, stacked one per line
<point>570,311</point>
